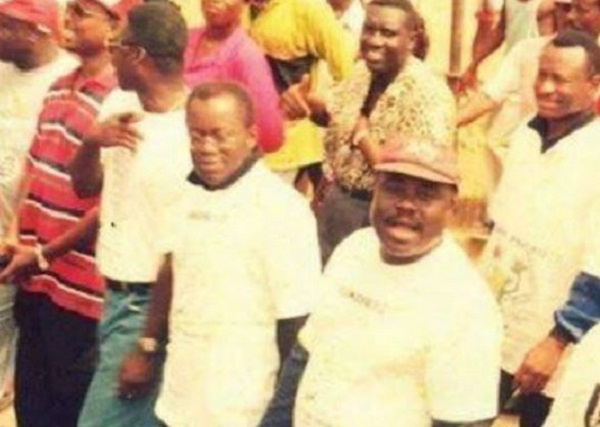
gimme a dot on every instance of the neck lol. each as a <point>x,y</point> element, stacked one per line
<point>558,127</point>
<point>93,65</point>
<point>393,259</point>
<point>221,33</point>
<point>163,96</point>
<point>45,55</point>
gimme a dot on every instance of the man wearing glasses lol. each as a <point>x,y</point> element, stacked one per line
<point>140,144</point>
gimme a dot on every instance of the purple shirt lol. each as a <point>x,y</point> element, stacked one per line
<point>240,60</point>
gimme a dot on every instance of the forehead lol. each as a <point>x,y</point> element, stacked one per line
<point>385,16</point>
<point>219,109</point>
<point>567,61</point>
<point>89,5</point>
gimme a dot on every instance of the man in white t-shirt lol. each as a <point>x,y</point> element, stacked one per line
<point>31,61</point>
<point>542,213</point>
<point>245,263</point>
<point>406,333</point>
<point>139,145</point>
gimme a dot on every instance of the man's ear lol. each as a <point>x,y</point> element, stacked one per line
<point>252,140</point>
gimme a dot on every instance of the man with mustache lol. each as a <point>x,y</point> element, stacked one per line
<point>543,214</point>
<point>407,333</point>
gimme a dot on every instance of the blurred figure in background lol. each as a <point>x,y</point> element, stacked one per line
<point>31,62</point>
<point>222,51</point>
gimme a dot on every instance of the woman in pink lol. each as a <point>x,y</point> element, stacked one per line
<point>223,51</point>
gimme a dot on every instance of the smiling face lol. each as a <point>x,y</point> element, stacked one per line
<point>409,215</point>
<point>386,40</point>
<point>564,85</point>
<point>221,140</point>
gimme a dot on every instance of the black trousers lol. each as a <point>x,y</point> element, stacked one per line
<point>532,408</point>
<point>56,353</point>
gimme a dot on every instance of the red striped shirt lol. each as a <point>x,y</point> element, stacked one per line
<point>51,206</point>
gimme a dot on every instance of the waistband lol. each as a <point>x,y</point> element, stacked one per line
<point>128,287</point>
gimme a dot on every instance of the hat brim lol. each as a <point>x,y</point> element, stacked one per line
<point>417,171</point>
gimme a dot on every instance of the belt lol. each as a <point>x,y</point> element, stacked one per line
<point>364,195</point>
<point>128,287</point>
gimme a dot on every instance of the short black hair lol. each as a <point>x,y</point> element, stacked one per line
<point>405,5</point>
<point>159,28</point>
<point>576,38</point>
<point>206,91</point>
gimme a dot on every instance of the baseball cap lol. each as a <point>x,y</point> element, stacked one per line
<point>43,13</point>
<point>420,157</point>
<point>117,8</point>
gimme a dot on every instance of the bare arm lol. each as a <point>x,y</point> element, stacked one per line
<point>139,368</point>
<point>25,260</point>
<point>478,105</point>
<point>287,331</point>
<point>86,169</point>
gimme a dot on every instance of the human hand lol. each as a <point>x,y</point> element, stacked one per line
<point>23,262</point>
<point>137,375</point>
<point>116,131</point>
<point>539,365</point>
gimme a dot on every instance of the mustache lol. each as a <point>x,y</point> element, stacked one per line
<point>402,221</point>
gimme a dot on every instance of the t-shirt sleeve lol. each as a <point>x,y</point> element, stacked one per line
<point>293,261</point>
<point>463,365</point>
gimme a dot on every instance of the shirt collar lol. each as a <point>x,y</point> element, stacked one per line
<point>540,125</point>
<point>244,168</point>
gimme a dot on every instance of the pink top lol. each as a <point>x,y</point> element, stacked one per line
<point>240,60</point>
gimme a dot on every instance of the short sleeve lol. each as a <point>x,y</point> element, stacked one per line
<point>463,366</point>
<point>293,260</point>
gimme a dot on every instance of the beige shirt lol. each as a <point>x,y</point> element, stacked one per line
<point>416,103</point>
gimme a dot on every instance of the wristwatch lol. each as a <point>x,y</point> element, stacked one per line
<point>148,345</point>
<point>42,262</point>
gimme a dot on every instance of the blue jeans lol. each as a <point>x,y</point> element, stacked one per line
<point>7,336</point>
<point>122,323</point>
<point>280,412</point>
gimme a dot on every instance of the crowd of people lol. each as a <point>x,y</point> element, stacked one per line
<point>248,224</point>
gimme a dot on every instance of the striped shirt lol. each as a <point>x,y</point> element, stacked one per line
<point>52,207</point>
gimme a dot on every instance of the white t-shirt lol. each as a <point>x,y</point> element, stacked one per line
<point>21,98</point>
<point>543,214</point>
<point>244,257</point>
<point>400,345</point>
<point>128,242</point>
<point>577,402</point>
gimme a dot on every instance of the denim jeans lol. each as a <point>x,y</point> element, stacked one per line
<point>122,323</point>
<point>7,336</point>
<point>280,412</point>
